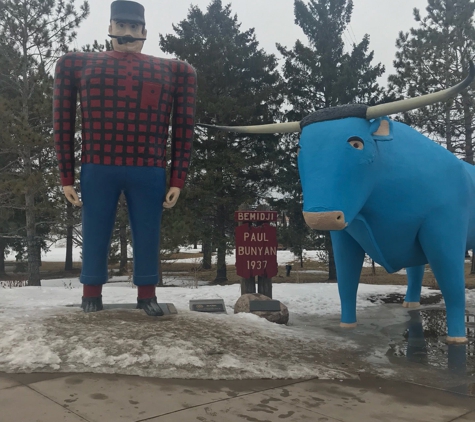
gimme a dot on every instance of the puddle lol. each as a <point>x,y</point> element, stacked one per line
<point>427,299</point>
<point>423,341</point>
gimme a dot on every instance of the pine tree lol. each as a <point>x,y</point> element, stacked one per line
<point>322,74</point>
<point>434,56</point>
<point>32,35</point>
<point>238,84</point>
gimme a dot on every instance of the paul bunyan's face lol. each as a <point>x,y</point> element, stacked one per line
<point>122,29</point>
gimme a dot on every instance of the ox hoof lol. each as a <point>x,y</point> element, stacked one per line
<point>456,340</point>
<point>410,304</point>
<point>345,325</point>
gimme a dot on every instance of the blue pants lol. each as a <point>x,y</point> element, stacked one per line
<point>144,189</point>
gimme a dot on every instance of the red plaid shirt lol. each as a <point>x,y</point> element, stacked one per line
<point>126,100</point>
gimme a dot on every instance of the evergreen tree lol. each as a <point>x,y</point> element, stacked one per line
<point>32,35</point>
<point>238,84</point>
<point>434,56</point>
<point>322,74</point>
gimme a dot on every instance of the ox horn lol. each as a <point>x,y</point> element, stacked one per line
<point>418,102</point>
<point>288,127</point>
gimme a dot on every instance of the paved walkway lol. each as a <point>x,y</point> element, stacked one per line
<point>115,398</point>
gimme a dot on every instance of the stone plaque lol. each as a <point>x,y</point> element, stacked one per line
<point>208,305</point>
<point>264,305</point>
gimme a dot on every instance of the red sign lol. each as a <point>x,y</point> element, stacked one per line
<point>256,251</point>
<point>249,216</point>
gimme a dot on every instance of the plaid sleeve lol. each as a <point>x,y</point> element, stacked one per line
<point>64,115</point>
<point>184,105</point>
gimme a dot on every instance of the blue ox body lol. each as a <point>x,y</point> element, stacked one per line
<point>385,189</point>
<point>382,188</point>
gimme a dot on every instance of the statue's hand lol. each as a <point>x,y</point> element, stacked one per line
<point>72,196</point>
<point>171,198</point>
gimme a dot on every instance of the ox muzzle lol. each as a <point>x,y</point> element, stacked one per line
<point>332,220</point>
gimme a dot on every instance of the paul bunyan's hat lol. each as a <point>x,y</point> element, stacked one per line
<point>127,11</point>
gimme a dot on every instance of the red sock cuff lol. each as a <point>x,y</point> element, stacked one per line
<point>91,291</point>
<point>146,292</point>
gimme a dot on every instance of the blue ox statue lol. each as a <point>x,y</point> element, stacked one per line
<point>383,188</point>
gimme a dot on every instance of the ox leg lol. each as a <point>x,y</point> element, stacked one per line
<point>444,245</point>
<point>414,285</point>
<point>349,258</point>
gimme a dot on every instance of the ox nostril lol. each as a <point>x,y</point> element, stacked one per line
<point>339,217</point>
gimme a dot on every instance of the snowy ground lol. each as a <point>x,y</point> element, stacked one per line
<point>42,331</point>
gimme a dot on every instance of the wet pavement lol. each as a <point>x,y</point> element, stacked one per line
<point>119,398</point>
<point>406,345</point>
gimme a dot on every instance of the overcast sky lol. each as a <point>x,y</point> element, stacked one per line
<point>273,21</point>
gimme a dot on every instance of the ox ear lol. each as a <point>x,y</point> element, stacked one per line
<point>381,129</point>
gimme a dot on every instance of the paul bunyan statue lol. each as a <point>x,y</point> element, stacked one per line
<point>127,99</point>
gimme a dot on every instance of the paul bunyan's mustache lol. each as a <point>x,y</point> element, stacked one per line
<point>126,39</point>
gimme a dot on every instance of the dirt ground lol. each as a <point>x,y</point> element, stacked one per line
<point>309,273</point>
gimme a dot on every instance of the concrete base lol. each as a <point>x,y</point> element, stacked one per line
<point>456,340</point>
<point>345,325</point>
<point>167,308</point>
<point>411,304</point>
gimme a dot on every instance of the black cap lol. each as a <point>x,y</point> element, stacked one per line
<point>127,11</point>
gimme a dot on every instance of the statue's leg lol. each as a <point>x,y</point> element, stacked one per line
<point>443,241</point>
<point>349,258</point>
<point>100,191</point>
<point>145,193</point>
<point>414,286</point>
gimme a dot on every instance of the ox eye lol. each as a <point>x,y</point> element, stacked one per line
<point>356,143</point>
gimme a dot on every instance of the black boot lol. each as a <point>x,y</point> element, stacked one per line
<point>92,304</point>
<point>150,306</point>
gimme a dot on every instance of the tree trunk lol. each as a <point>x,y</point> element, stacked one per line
<point>31,241</point>
<point>472,269</point>
<point>123,249</point>
<point>123,264</point>
<point>68,265</point>
<point>2,257</point>
<point>207,255</point>
<point>284,220</point>
<point>448,130</point>
<point>160,277</point>
<point>221,275</point>
<point>467,116</point>
<point>331,258</point>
